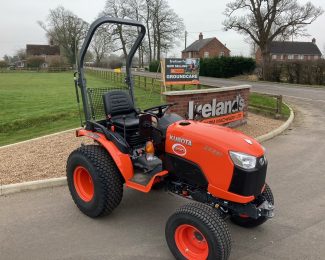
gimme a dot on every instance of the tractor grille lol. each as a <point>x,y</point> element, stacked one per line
<point>96,104</point>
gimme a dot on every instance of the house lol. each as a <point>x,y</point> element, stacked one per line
<point>48,52</point>
<point>292,51</point>
<point>205,48</point>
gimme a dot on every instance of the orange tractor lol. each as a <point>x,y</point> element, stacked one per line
<point>222,170</point>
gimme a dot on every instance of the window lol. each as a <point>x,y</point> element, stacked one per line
<point>190,54</point>
<point>273,57</point>
<point>316,57</point>
<point>206,54</point>
<point>222,54</point>
<point>290,57</point>
<point>301,57</point>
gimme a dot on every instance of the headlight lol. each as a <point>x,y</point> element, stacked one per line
<point>243,160</point>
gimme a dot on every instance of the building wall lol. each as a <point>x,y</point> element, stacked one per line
<point>214,48</point>
<point>286,57</point>
<point>203,97</point>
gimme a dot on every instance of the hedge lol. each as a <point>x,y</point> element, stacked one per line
<point>226,67</point>
<point>154,66</point>
<point>298,72</point>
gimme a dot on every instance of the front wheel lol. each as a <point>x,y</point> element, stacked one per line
<point>196,231</point>
<point>94,181</point>
<point>248,222</point>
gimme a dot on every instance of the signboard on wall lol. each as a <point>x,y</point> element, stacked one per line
<point>181,71</point>
<point>218,112</point>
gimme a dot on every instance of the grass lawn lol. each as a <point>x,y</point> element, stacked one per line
<point>269,102</point>
<point>35,104</point>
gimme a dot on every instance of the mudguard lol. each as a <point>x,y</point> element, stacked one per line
<point>122,160</point>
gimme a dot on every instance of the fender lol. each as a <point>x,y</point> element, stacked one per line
<point>122,161</point>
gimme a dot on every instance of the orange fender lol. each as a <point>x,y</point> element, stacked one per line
<point>122,160</point>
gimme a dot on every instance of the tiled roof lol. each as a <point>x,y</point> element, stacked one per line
<point>34,49</point>
<point>198,45</point>
<point>294,48</point>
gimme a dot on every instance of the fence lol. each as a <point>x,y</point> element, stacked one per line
<point>269,109</point>
<point>155,85</point>
<point>147,83</point>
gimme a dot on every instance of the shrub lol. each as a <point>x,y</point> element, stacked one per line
<point>226,67</point>
<point>35,62</point>
<point>57,62</point>
<point>3,64</point>
<point>154,66</point>
<point>298,72</point>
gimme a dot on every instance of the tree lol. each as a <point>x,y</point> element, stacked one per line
<point>166,26</point>
<point>3,64</point>
<point>21,54</point>
<point>267,20</point>
<point>102,43</point>
<point>125,34</point>
<point>65,29</point>
<point>163,25</point>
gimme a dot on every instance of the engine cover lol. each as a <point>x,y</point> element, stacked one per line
<point>208,146</point>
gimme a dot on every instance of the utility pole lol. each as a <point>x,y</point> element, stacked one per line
<point>185,39</point>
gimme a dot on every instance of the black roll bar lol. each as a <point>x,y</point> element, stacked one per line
<point>92,29</point>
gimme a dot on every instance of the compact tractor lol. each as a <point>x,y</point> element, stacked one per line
<point>223,171</point>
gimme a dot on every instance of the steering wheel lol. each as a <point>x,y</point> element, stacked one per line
<point>159,111</point>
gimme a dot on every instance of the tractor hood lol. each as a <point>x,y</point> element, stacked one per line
<point>213,138</point>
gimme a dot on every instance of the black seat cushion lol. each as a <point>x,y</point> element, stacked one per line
<point>118,103</point>
<point>131,121</point>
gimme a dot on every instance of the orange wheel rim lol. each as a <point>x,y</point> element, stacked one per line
<point>191,242</point>
<point>83,183</point>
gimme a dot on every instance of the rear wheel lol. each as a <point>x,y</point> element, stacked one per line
<point>248,222</point>
<point>196,231</point>
<point>94,181</point>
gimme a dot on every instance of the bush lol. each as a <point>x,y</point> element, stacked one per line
<point>154,66</point>
<point>3,64</point>
<point>35,62</point>
<point>298,72</point>
<point>57,62</point>
<point>226,67</point>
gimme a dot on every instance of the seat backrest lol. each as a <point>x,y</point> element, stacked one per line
<point>117,102</point>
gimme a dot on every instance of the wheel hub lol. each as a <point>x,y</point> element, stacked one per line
<point>83,183</point>
<point>191,242</point>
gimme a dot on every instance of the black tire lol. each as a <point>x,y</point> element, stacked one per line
<point>106,178</point>
<point>250,222</point>
<point>208,222</point>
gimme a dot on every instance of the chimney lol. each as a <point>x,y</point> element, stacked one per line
<point>313,41</point>
<point>200,36</point>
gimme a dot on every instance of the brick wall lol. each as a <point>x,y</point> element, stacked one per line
<point>205,96</point>
<point>214,48</point>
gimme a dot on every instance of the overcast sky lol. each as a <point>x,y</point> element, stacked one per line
<point>18,22</point>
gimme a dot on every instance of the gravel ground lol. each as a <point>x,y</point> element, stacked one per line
<point>46,158</point>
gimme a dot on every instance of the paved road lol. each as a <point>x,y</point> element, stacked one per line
<point>45,224</point>
<point>288,90</point>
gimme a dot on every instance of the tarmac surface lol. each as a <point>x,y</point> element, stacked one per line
<point>45,224</point>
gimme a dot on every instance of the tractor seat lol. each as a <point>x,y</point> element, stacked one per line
<point>117,104</point>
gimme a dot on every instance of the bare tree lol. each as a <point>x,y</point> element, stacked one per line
<point>267,20</point>
<point>125,34</point>
<point>163,25</point>
<point>65,29</point>
<point>102,43</point>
